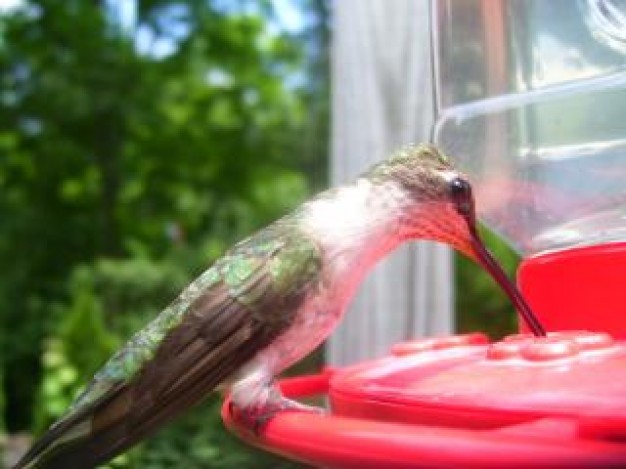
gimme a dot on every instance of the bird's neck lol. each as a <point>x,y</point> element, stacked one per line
<point>355,225</point>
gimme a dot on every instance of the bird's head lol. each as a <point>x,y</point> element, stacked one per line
<point>437,203</point>
<point>436,200</point>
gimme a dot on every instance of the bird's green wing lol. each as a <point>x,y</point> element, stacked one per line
<point>217,324</point>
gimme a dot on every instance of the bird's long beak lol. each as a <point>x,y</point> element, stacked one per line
<point>484,257</point>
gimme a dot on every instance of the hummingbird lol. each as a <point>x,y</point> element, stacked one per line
<point>268,302</point>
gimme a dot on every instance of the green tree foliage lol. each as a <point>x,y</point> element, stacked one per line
<point>132,155</point>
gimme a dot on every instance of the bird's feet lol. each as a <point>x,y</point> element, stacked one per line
<point>256,416</point>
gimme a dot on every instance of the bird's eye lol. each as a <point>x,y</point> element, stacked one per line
<point>461,193</point>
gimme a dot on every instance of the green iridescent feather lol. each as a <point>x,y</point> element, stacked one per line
<point>279,251</point>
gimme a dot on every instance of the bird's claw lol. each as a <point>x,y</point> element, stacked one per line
<point>256,417</point>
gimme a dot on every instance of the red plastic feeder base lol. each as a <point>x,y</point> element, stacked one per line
<point>462,402</point>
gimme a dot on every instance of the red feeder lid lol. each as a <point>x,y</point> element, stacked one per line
<point>459,401</point>
<point>575,375</point>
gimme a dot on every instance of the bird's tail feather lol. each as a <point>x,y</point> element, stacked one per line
<point>112,426</point>
<point>82,442</point>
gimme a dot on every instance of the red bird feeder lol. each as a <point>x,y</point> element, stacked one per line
<point>530,98</point>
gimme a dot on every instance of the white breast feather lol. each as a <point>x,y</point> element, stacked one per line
<point>355,226</point>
